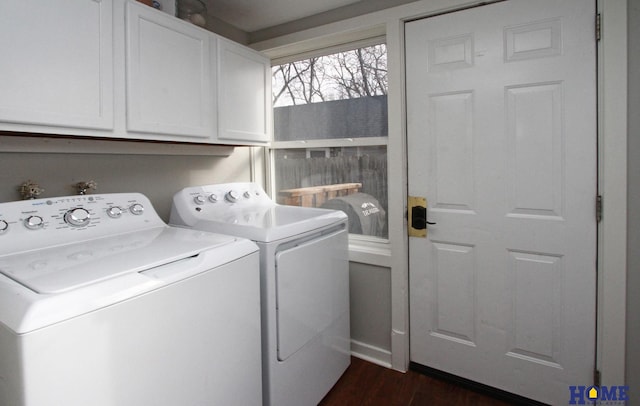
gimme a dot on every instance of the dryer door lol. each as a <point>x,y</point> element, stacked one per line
<point>312,289</point>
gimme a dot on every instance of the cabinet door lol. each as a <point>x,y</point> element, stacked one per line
<point>168,76</point>
<point>244,94</point>
<point>56,64</point>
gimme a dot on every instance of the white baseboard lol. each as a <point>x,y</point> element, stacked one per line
<point>371,353</point>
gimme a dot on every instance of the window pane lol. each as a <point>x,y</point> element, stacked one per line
<point>352,118</point>
<point>352,179</point>
<point>351,74</point>
<point>333,97</point>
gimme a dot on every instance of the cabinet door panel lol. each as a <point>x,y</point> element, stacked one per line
<point>57,63</point>
<point>244,94</point>
<point>168,75</point>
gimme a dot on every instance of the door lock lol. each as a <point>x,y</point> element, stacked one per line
<point>418,217</point>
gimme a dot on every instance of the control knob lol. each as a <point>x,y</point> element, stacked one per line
<point>232,196</point>
<point>78,217</point>
<point>34,222</point>
<point>4,226</point>
<point>213,198</point>
<point>247,195</point>
<point>199,199</point>
<point>136,209</point>
<point>114,212</point>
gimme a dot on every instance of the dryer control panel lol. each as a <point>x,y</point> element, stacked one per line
<point>227,195</point>
<point>32,224</point>
<point>231,203</point>
<point>245,210</point>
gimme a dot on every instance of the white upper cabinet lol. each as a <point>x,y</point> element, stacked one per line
<point>168,76</point>
<point>244,94</point>
<point>121,69</point>
<point>56,64</point>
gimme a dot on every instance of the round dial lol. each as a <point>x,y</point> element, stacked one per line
<point>136,209</point>
<point>199,199</point>
<point>232,196</point>
<point>247,195</point>
<point>77,217</point>
<point>213,198</point>
<point>114,212</point>
<point>34,222</point>
<point>4,226</point>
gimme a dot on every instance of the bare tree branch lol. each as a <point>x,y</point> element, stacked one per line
<point>358,73</point>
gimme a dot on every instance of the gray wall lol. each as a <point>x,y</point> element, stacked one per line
<point>158,177</point>
<point>370,298</point>
<point>633,219</point>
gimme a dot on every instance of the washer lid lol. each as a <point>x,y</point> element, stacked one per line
<point>67,267</point>
<point>267,223</point>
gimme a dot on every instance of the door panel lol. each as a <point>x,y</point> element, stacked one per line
<point>452,150</point>
<point>501,120</point>
<point>535,150</point>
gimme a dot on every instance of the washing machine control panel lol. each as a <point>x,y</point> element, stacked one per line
<point>29,224</point>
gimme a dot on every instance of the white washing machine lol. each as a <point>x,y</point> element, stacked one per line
<point>304,282</point>
<point>101,303</point>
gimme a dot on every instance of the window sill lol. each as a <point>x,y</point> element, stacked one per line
<point>369,251</point>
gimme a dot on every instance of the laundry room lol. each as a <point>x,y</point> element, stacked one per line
<point>219,102</point>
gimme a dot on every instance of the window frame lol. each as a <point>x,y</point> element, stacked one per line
<point>358,244</point>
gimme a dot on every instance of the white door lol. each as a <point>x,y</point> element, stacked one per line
<point>501,119</point>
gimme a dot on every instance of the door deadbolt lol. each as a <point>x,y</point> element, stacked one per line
<point>418,217</point>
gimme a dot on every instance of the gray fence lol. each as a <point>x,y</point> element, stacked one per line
<point>370,170</point>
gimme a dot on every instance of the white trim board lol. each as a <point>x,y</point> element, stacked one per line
<point>612,233</point>
<point>64,145</point>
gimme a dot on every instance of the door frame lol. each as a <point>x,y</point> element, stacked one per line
<point>612,186</point>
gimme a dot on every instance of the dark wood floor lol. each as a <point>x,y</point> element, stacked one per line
<point>365,383</point>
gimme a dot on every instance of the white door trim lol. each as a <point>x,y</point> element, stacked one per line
<point>612,233</point>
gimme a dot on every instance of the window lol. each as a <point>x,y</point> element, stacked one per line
<point>330,135</point>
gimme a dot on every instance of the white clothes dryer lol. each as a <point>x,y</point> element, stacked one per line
<point>304,283</point>
<point>102,303</point>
